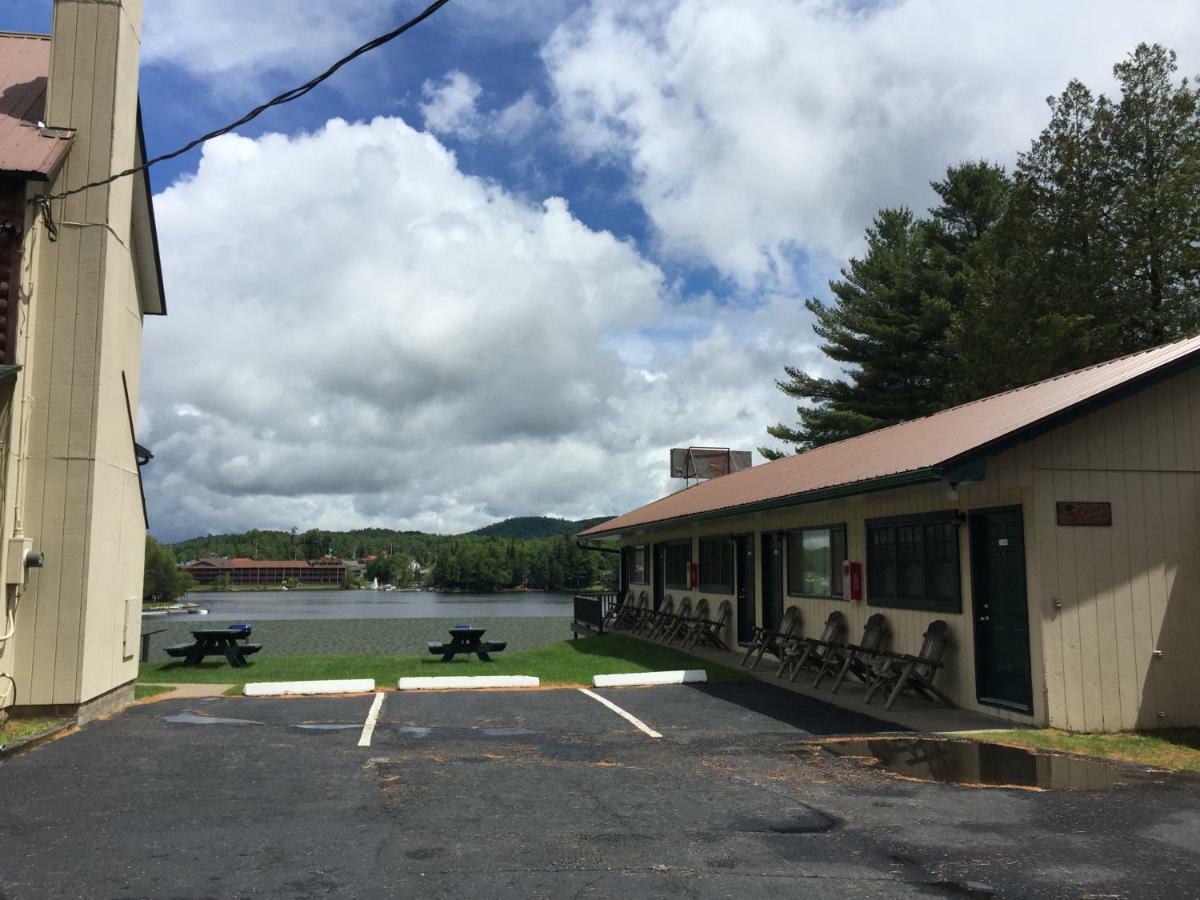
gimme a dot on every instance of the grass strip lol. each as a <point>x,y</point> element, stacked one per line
<point>142,691</point>
<point>16,728</point>
<point>561,663</point>
<point>1167,748</point>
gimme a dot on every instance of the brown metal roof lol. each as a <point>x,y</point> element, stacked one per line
<point>924,449</point>
<point>26,149</point>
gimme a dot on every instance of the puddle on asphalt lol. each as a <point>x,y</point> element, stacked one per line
<point>506,732</point>
<point>328,726</point>
<point>193,719</point>
<point>411,730</point>
<point>994,765</point>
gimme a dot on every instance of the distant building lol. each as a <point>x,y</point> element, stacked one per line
<point>241,572</point>
<point>73,298</point>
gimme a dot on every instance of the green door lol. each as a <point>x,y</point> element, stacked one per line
<point>772,579</point>
<point>1000,608</point>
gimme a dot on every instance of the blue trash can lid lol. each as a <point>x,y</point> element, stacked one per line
<point>463,626</point>
<point>239,626</point>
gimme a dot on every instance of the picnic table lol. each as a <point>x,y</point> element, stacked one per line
<point>467,640</point>
<point>216,642</point>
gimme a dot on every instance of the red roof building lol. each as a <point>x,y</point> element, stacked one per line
<point>1055,529</point>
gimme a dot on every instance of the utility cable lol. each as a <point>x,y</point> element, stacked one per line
<point>42,202</point>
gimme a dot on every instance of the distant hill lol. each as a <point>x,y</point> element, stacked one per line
<point>529,527</point>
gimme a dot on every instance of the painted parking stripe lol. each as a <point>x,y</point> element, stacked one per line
<point>638,723</point>
<point>372,718</point>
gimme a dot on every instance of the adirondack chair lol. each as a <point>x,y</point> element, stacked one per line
<point>633,613</point>
<point>617,610</point>
<point>773,641</point>
<point>900,671</point>
<point>855,659</point>
<point>810,653</point>
<point>657,618</point>
<point>709,631</point>
<point>685,630</point>
<point>683,615</point>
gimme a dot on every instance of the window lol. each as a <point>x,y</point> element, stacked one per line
<point>814,560</point>
<point>639,569</point>
<point>678,557</point>
<point>913,563</point>
<point>716,565</point>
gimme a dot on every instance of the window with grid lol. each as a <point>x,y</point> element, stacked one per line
<point>913,563</point>
<point>639,569</point>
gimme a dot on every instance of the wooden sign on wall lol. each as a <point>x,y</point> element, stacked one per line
<point>1084,512</point>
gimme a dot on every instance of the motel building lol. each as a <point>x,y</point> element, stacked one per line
<point>75,290</point>
<point>1054,528</point>
<point>243,572</point>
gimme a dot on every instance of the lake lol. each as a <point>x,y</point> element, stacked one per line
<point>300,604</point>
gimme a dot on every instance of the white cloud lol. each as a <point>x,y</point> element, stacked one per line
<point>235,39</point>
<point>756,132</point>
<point>451,108</point>
<point>360,333</point>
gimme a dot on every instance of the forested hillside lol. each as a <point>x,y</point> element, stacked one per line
<point>526,527</point>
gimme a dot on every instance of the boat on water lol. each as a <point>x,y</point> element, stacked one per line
<point>374,584</point>
<point>192,609</point>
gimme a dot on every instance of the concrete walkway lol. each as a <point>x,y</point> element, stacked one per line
<point>909,712</point>
<point>188,692</point>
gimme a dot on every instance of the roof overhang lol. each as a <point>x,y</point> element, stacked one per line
<point>887,482</point>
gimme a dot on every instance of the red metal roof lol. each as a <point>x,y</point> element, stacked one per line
<point>922,447</point>
<point>26,149</point>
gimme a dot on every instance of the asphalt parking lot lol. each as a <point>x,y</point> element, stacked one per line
<point>551,793</point>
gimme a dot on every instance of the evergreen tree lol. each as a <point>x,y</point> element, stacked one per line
<point>892,313</point>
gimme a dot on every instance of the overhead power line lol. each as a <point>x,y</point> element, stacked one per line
<point>43,201</point>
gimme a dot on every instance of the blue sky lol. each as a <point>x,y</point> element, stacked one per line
<point>550,242</point>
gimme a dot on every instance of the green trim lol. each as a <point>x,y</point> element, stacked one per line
<point>712,587</point>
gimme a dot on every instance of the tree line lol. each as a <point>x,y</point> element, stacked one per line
<point>403,558</point>
<point>1087,250</point>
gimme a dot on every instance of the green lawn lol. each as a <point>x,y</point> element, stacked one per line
<point>1168,748</point>
<point>15,729</point>
<point>562,663</point>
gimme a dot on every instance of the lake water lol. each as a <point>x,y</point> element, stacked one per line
<point>299,604</point>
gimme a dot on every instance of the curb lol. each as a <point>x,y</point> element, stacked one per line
<point>460,682</point>
<point>637,679</point>
<point>282,688</point>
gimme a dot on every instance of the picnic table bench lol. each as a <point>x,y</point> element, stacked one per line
<point>215,642</point>
<point>466,640</point>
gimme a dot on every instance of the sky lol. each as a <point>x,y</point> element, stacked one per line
<point>502,265</point>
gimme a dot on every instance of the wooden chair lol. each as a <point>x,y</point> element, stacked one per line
<point>657,618</point>
<point>709,631</point>
<point>689,626</point>
<point>809,653</point>
<point>900,671</point>
<point>633,613</point>
<point>764,640</point>
<point>855,659</point>
<point>617,610</point>
<point>678,621</point>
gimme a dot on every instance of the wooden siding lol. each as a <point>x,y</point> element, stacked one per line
<point>79,489</point>
<point>1125,591</point>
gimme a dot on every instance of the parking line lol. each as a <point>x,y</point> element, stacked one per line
<point>620,712</point>
<point>372,718</point>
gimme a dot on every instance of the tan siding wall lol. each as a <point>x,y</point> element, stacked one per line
<point>80,478</point>
<point>1125,592</point>
<point>1132,589</point>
